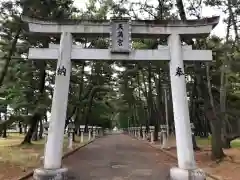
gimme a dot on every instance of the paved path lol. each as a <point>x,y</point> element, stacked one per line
<point>118,157</point>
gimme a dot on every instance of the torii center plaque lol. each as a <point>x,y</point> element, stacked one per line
<point>120,36</point>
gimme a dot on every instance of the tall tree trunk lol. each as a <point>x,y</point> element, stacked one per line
<point>150,95</point>
<point>78,109</point>
<point>160,112</point>
<point>146,96</point>
<point>5,126</point>
<point>4,134</point>
<point>10,54</point>
<point>223,87</point>
<point>197,103</point>
<point>217,152</point>
<point>37,115</point>
<point>35,133</point>
<point>139,97</point>
<point>25,128</point>
<point>223,107</point>
<point>33,124</point>
<point>233,20</point>
<point>73,136</point>
<point>20,127</point>
<point>88,107</point>
<point>216,142</point>
<point>181,10</point>
<point>40,135</point>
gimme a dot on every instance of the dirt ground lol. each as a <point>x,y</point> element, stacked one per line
<point>9,171</point>
<point>227,169</point>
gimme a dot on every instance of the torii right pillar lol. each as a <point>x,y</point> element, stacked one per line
<point>187,169</point>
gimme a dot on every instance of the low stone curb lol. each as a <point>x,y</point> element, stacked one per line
<point>28,175</point>
<point>175,157</point>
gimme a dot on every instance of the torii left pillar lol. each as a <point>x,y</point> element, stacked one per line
<point>53,154</point>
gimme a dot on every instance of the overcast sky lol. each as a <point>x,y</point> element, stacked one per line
<point>219,30</point>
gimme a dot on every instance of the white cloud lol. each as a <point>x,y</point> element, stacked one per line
<point>220,29</point>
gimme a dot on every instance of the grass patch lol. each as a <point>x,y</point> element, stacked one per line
<point>203,141</point>
<point>16,159</point>
<point>27,155</point>
<point>235,143</point>
<point>12,139</point>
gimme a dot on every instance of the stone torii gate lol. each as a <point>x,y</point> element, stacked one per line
<point>121,32</point>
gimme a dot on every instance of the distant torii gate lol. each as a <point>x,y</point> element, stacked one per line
<point>121,32</point>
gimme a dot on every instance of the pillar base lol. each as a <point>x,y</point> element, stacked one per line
<point>184,174</point>
<point>46,174</point>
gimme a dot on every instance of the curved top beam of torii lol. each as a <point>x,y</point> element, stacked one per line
<point>139,28</point>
